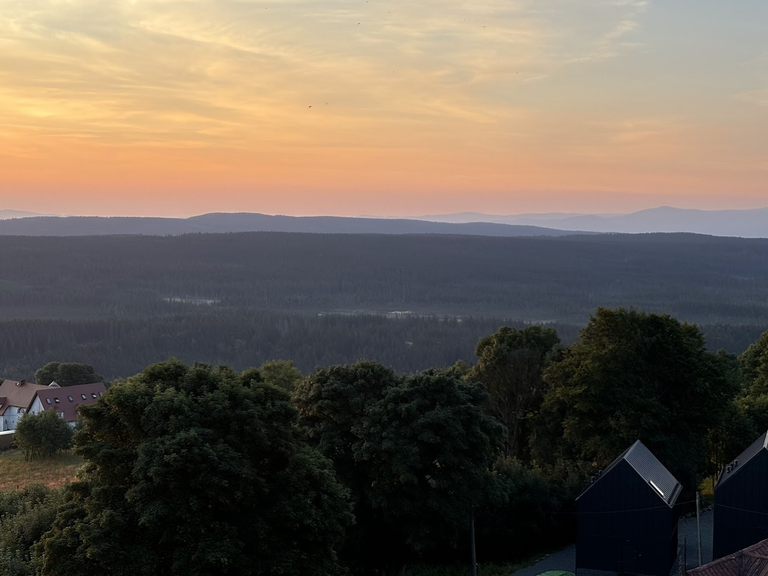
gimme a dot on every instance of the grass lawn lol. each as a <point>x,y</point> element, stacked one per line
<point>15,473</point>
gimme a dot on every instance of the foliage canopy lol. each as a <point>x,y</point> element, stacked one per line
<point>43,434</point>
<point>197,471</point>
<point>414,451</point>
<point>510,364</point>
<point>634,376</point>
<point>67,374</point>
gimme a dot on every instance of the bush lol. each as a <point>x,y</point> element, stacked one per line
<point>25,516</point>
<point>42,435</point>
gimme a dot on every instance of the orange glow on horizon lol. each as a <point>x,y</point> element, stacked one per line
<point>149,107</point>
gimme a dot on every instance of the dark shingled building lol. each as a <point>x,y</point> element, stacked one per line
<point>752,561</point>
<point>741,501</point>
<point>627,522</point>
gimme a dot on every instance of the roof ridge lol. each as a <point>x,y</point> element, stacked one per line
<point>751,452</point>
<point>669,499</point>
<point>627,456</point>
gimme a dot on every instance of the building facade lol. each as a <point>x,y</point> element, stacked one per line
<point>627,521</point>
<point>18,398</point>
<point>741,501</point>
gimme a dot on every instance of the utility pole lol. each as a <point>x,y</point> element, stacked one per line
<point>698,525</point>
<point>472,530</point>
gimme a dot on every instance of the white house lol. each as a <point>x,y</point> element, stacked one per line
<point>16,398</point>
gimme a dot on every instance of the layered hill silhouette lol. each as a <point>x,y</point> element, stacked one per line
<point>251,222</point>
<point>740,223</point>
<point>737,223</point>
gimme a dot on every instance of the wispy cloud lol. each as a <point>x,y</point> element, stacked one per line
<point>155,69</point>
<point>759,97</point>
<point>333,86</point>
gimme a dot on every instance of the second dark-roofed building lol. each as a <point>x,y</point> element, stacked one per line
<point>741,501</point>
<point>627,522</point>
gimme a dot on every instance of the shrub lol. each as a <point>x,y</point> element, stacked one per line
<point>42,435</point>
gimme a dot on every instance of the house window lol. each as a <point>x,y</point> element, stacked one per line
<point>21,411</point>
<point>70,398</point>
<point>84,396</point>
<point>47,400</point>
<point>61,414</point>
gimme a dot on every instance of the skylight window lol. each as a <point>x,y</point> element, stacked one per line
<point>93,394</point>
<point>47,400</point>
<point>56,400</point>
<point>84,396</point>
<point>70,398</point>
<point>657,488</point>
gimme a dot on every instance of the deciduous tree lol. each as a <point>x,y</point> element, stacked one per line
<point>510,365</point>
<point>67,374</point>
<point>42,435</point>
<point>197,472</point>
<point>281,373</point>
<point>415,452</point>
<point>630,376</point>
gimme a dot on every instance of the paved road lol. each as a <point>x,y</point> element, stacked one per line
<point>565,559</point>
<point>687,532</point>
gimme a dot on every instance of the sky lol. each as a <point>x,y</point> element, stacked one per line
<point>382,107</point>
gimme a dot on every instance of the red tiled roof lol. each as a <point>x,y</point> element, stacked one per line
<point>752,561</point>
<point>18,394</point>
<point>67,398</point>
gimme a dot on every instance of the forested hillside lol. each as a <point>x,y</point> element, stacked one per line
<point>121,347</point>
<point>120,302</point>
<point>395,473</point>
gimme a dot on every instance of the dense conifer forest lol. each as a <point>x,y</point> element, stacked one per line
<point>121,302</point>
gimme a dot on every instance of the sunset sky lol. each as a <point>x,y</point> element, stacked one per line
<point>386,107</point>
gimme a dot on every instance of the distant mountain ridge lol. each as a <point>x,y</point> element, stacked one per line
<point>8,214</point>
<point>735,223</point>
<point>253,222</point>
<point>751,223</point>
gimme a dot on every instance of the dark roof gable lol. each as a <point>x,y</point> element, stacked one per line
<point>67,399</point>
<point>754,449</point>
<point>19,394</point>
<point>648,467</point>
